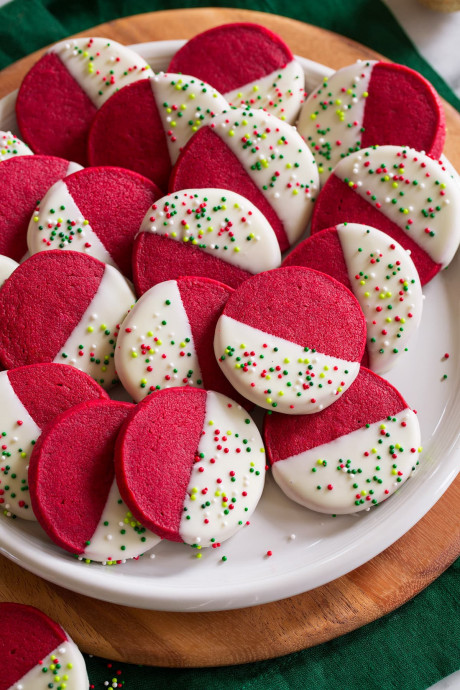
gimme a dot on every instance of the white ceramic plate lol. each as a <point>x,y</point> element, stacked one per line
<point>308,549</point>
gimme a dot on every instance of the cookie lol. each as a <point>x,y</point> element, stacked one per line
<point>96,211</point>
<point>249,64</point>
<point>73,489</point>
<point>213,233</point>
<point>350,456</point>
<point>256,155</point>
<point>7,266</point>
<point>164,111</point>
<point>63,307</point>
<point>167,338</point>
<point>11,146</point>
<point>402,192</point>
<point>291,339</point>
<point>61,94</point>
<point>204,460</point>
<point>371,103</point>
<point>36,653</point>
<point>23,181</point>
<point>381,275</point>
<point>30,398</point>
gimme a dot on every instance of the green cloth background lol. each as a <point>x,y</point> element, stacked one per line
<point>411,648</point>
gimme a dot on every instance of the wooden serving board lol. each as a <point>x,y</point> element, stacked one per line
<point>234,637</point>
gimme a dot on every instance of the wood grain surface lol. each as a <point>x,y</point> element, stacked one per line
<point>233,637</point>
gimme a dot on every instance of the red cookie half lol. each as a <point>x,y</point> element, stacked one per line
<point>32,644</point>
<point>291,339</point>
<point>23,182</point>
<point>96,211</point>
<point>349,456</point>
<point>190,465</point>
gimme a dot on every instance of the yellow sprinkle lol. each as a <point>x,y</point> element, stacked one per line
<point>211,423</point>
<point>339,389</point>
<point>295,192</point>
<point>322,375</point>
<point>268,400</point>
<point>236,249</point>
<point>382,426</point>
<point>86,222</point>
<point>268,377</point>
<point>365,94</point>
<point>192,96</point>
<point>338,101</point>
<point>231,133</point>
<point>255,88</point>
<point>159,342</point>
<point>362,282</point>
<point>287,360</point>
<point>326,367</point>
<point>367,294</point>
<point>394,472</point>
<point>90,329</point>
<point>210,229</point>
<point>363,493</point>
<point>281,393</point>
<point>35,217</point>
<point>288,166</point>
<point>395,185</point>
<point>174,234</point>
<point>199,555</point>
<point>103,326</point>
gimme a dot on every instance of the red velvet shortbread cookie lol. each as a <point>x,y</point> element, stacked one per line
<point>213,233</point>
<point>402,192</point>
<point>63,307</point>
<point>291,339</point>
<point>163,112</point>
<point>167,338</point>
<point>256,155</point>
<point>96,211</point>
<point>77,77</point>
<point>30,398</point>
<point>371,103</point>
<point>73,489</point>
<point>350,456</point>
<point>35,651</point>
<point>11,146</point>
<point>381,275</point>
<point>190,465</point>
<point>23,181</point>
<point>249,64</point>
<point>7,266</point>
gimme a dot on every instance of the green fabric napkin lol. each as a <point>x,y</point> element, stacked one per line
<point>412,647</point>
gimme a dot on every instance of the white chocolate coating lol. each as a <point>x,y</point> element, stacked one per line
<point>277,160</point>
<point>100,66</point>
<point>221,223</point>
<point>118,535</point>
<point>413,191</point>
<point>94,336</point>
<point>71,670</point>
<point>155,345</point>
<point>332,117</point>
<point>7,266</point>
<point>11,146</point>
<point>276,373</point>
<point>18,435</point>
<point>385,282</point>
<point>281,92</point>
<point>58,223</point>
<point>370,471</point>
<point>227,480</point>
<point>185,104</point>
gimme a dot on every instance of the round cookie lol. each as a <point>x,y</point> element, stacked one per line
<point>213,233</point>
<point>256,155</point>
<point>256,69</point>
<point>167,338</point>
<point>63,307</point>
<point>73,489</point>
<point>350,456</point>
<point>402,192</point>
<point>381,275</point>
<point>204,460</point>
<point>96,211</point>
<point>291,339</point>
<point>7,266</point>
<point>164,111</point>
<point>36,653</point>
<point>30,398</point>
<point>24,180</point>
<point>371,103</point>
<point>76,76</point>
<point>11,146</point>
